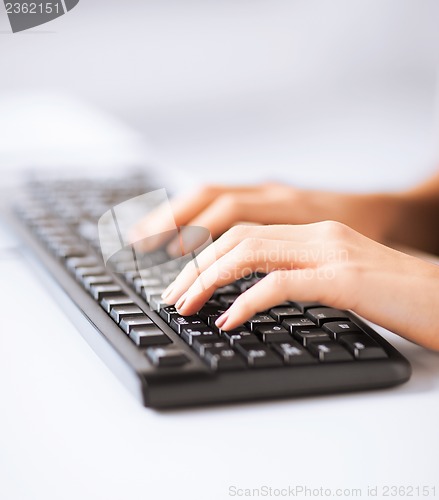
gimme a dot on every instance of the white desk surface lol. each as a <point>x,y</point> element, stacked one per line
<point>70,430</point>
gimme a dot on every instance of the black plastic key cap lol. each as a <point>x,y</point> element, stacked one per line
<point>162,357</point>
<point>82,271</point>
<point>305,336</point>
<point>119,300</point>
<point>148,293</point>
<point>189,334</point>
<point>293,353</point>
<point>259,319</point>
<point>209,314</point>
<point>240,337</point>
<point>130,322</point>
<point>157,303</point>
<point>201,344</point>
<point>227,300</point>
<point>362,346</point>
<point>227,290</point>
<point>89,281</point>
<point>322,315</point>
<point>297,322</point>
<point>329,351</point>
<point>74,262</point>
<point>179,322</point>
<point>120,312</point>
<point>167,313</point>
<point>259,356</point>
<point>101,291</point>
<point>338,328</point>
<point>66,251</point>
<point>149,336</point>
<point>272,333</point>
<point>223,358</point>
<point>281,313</point>
<point>304,306</point>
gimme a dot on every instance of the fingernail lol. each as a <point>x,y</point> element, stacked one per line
<point>219,323</point>
<point>168,291</point>
<point>180,301</point>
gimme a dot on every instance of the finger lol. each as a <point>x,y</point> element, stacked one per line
<point>278,286</point>
<point>184,208</point>
<point>208,257</point>
<point>250,256</point>
<point>225,211</point>
<point>308,247</point>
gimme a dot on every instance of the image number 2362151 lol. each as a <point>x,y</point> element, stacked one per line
<point>24,14</point>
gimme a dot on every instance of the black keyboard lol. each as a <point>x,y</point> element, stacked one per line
<point>169,360</point>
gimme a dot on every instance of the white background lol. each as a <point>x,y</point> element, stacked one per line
<point>330,94</point>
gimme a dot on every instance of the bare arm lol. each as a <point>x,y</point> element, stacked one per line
<point>404,218</point>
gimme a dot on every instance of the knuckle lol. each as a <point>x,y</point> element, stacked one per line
<point>250,243</point>
<point>209,190</point>
<point>236,233</point>
<point>228,202</point>
<point>277,277</point>
<point>231,238</point>
<point>334,230</point>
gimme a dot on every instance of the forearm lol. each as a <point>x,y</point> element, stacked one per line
<point>401,293</point>
<point>408,218</point>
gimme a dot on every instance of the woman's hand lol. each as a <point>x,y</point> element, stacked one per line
<point>326,262</point>
<point>218,208</point>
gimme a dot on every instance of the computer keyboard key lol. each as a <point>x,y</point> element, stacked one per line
<point>74,262</point>
<point>259,356</point>
<point>148,293</point>
<point>130,322</point>
<point>362,346</point>
<point>100,291</point>
<point>157,303</point>
<point>238,329</point>
<point>162,357</point>
<point>149,336</point>
<point>120,312</point>
<point>201,344</point>
<point>226,290</point>
<point>119,300</point>
<point>227,300</point>
<point>190,334</point>
<point>66,251</point>
<point>89,281</point>
<point>297,322</point>
<point>322,315</point>
<point>329,351</point>
<point>293,353</point>
<point>223,358</point>
<point>259,319</point>
<point>304,306</point>
<point>81,272</point>
<point>141,283</point>
<point>305,336</point>
<point>179,322</point>
<point>272,333</point>
<point>338,328</point>
<point>209,314</point>
<point>167,313</point>
<point>240,337</point>
<point>281,313</point>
